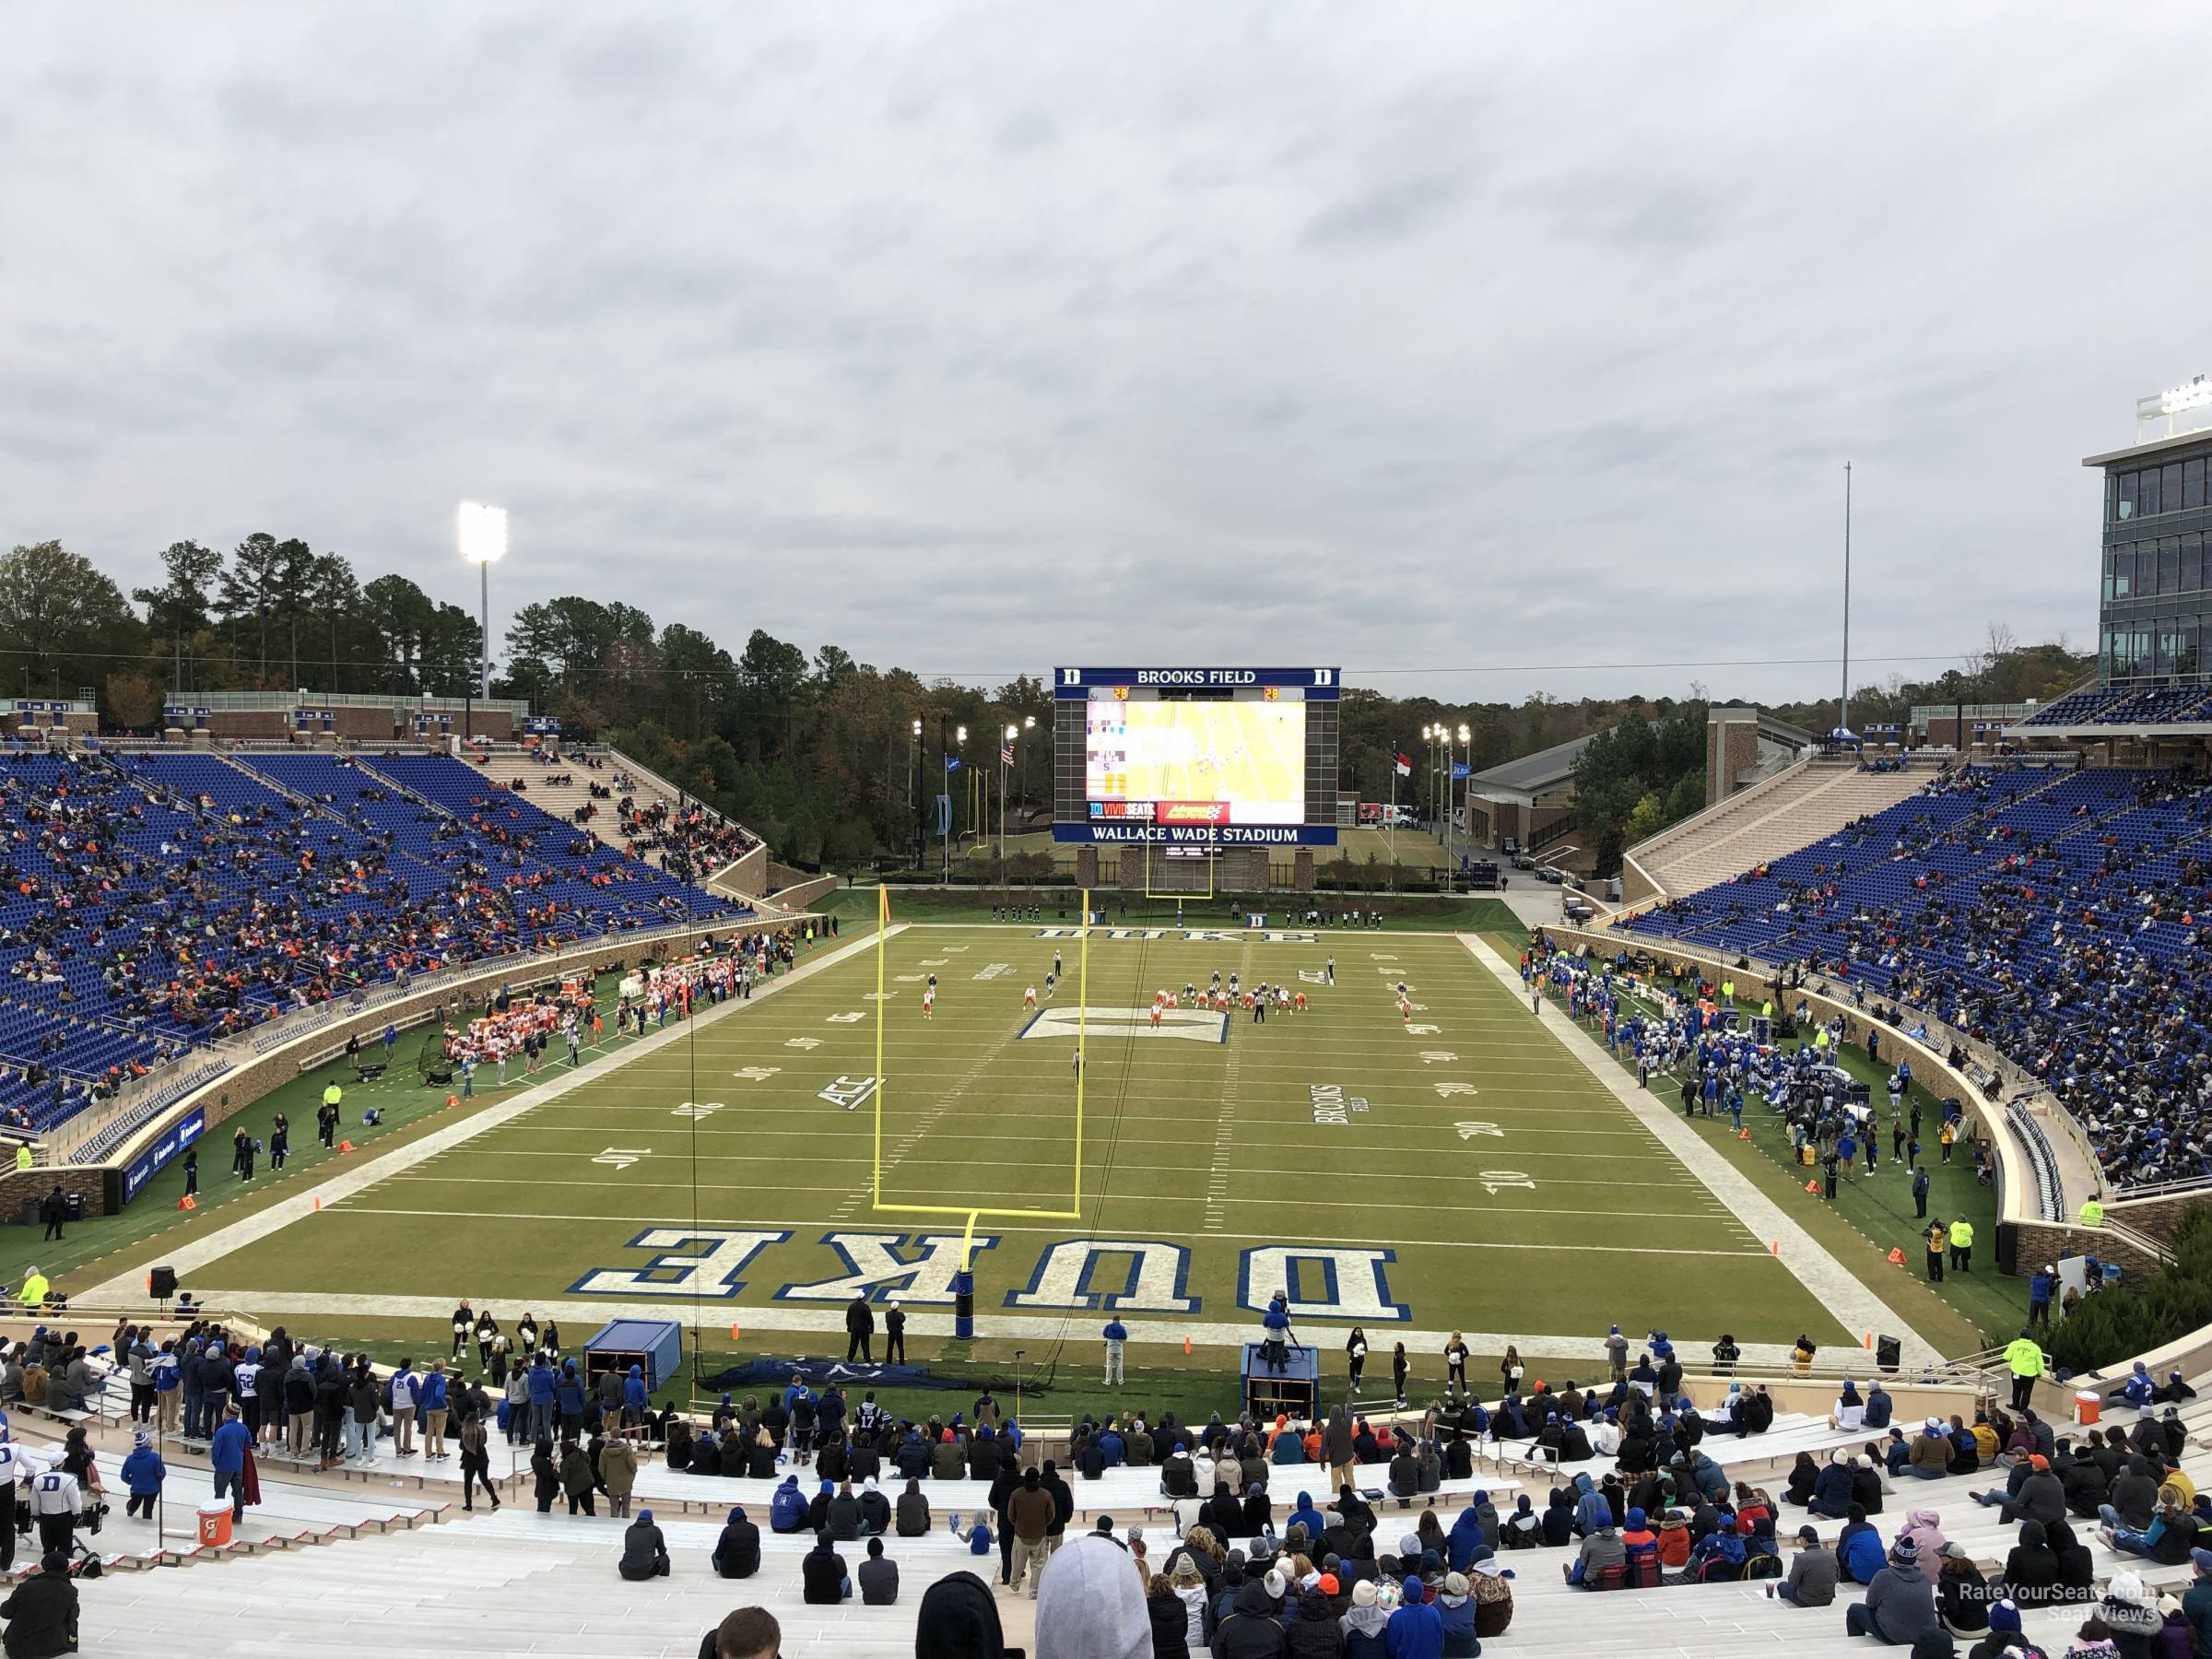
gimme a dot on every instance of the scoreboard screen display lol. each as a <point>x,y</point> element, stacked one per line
<point>1196,762</point>
<point>1196,756</point>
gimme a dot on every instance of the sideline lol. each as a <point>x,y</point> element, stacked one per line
<point>1838,1290</point>
<point>128,1289</point>
<point>991,1325</point>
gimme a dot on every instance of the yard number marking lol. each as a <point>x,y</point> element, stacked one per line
<point>756,1074</point>
<point>803,1043</point>
<point>621,1158</point>
<point>697,1109</point>
<point>1496,1181</point>
<point>1469,1131</point>
<point>1437,1056</point>
<point>843,1019</point>
<point>1446,1090</point>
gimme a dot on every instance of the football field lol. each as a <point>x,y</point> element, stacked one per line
<point>1452,1169</point>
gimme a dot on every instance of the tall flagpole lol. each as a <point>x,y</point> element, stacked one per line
<point>1394,807</point>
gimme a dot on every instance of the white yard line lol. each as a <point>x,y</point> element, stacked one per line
<point>128,1287</point>
<point>1852,1305</point>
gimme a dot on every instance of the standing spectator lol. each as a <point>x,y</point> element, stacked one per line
<point>1029,1514</point>
<point>878,1577</point>
<point>142,1473</point>
<point>434,1411</point>
<point>618,1475</point>
<point>53,1211</point>
<point>56,1502</point>
<point>644,1551</point>
<point>42,1612</point>
<point>226,1458</point>
<point>576,1478</point>
<point>544,1477</point>
<point>1117,1339</point>
<point>361,1411</point>
<point>2026,1359</point>
<point>860,1329</point>
<point>476,1462</point>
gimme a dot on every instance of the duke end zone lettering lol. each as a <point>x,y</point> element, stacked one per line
<point>1124,1276</point>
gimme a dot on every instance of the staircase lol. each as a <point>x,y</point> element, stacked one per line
<point>1793,810</point>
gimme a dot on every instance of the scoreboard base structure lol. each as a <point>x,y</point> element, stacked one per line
<point>1286,1381</point>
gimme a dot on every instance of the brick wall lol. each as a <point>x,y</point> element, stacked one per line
<point>1301,871</point>
<point>18,1185</point>
<point>250,722</point>
<point>1087,866</point>
<point>2156,1216</point>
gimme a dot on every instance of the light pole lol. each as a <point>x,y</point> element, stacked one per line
<point>483,532</point>
<point>951,827</point>
<point>914,788</point>
<point>1466,741</point>
<point>1006,754</point>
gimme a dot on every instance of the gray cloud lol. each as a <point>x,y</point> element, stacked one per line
<point>1432,339</point>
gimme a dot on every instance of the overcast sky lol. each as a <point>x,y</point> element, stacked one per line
<point>1432,340</point>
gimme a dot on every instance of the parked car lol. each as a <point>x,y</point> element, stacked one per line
<point>1522,861</point>
<point>1552,874</point>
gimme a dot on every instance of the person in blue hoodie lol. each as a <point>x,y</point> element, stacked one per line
<point>568,1395</point>
<point>1417,1630</point>
<point>1590,1509</point>
<point>1111,1443</point>
<point>1831,1490</point>
<point>1716,1558</point>
<point>226,1458</point>
<point>542,1413</point>
<point>1878,1407</point>
<point>1307,1516</point>
<point>1455,1610</point>
<point>142,1472</point>
<point>636,1402</point>
<point>1859,1550</point>
<point>1464,1541</point>
<point>787,1509</point>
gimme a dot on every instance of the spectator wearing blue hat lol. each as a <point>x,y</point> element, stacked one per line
<point>142,1475</point>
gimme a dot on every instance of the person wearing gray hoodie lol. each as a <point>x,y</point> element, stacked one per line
<point>1091,1605</point>
<point>1900,1602</point>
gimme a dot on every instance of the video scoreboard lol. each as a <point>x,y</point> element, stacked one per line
<point>1196,756</point>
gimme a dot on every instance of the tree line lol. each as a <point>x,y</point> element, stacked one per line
<point>815,751</point>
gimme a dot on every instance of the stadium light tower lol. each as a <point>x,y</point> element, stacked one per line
<point>483,543</point>
<point>1466,788</point>
<point>1006,756</point>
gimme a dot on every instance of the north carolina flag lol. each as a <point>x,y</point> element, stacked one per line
<point>1404,762</point>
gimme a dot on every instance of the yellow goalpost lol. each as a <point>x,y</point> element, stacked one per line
<point>973,1213</point>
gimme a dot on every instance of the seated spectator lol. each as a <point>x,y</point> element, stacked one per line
<point>42,1612</point>
<point>2033,1493</point>
<point>959,1620</point>
<point>1901,1603</point>
<point>737,1551</point>
<point>644,1551</point>
<point>1813,1573</point>
<point>878,1577</point>
<point>1878,1407</point>
<point>1929,1457</point>
<point>1365,1623</point>
<point>823,1573</point>
<point>2030,1568</point>
<point>1602,1554</point>
<point>787,1508</point>
<point>1832,1490</point>
<point>1962,1594</point>
<point>1859,1547</point>
<point>1850,1414</point>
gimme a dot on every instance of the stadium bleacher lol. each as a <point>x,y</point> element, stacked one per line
<point>2125,704</point>
<point>155,901</point>
<point>2053,914</point>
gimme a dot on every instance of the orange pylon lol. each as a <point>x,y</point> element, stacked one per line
<point>1186,1346</point>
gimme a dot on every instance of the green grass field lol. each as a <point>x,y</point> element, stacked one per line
<point>1456,1171</point>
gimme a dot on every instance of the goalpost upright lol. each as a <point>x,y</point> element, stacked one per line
<point>973,1213</point>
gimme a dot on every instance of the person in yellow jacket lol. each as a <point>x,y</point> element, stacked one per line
<point>1938,1237</point>
<point>1962,1245</point>
<point>2026,1359</point>
<point>24,1159</point>
<point>34,1291</point>
<point>2092,1213</point>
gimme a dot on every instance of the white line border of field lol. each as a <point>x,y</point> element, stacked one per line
<point>128,1289</point>
<point>1848,1302</point>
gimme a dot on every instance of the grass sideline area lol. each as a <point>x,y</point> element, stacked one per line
<point>1197,1150</point>
<point>1872,1215</point>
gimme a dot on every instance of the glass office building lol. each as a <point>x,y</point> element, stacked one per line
<point>2154,613</point>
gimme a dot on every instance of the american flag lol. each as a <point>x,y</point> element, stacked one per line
<point>1006,754</point>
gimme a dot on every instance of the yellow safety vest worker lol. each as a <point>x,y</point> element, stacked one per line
<point>34,1290</point>
<point>1767,1009</point>
<point>1821,1038</point>
<point>333,1095</point>
<point>2092,1214</point>
<point>1962,1236</point>
<point>1728,990</point>
<point>2025,1358</point>
<point>23,1158</point>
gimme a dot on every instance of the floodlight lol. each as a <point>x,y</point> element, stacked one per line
<point>1466,736</point>
<point>483,532</point>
